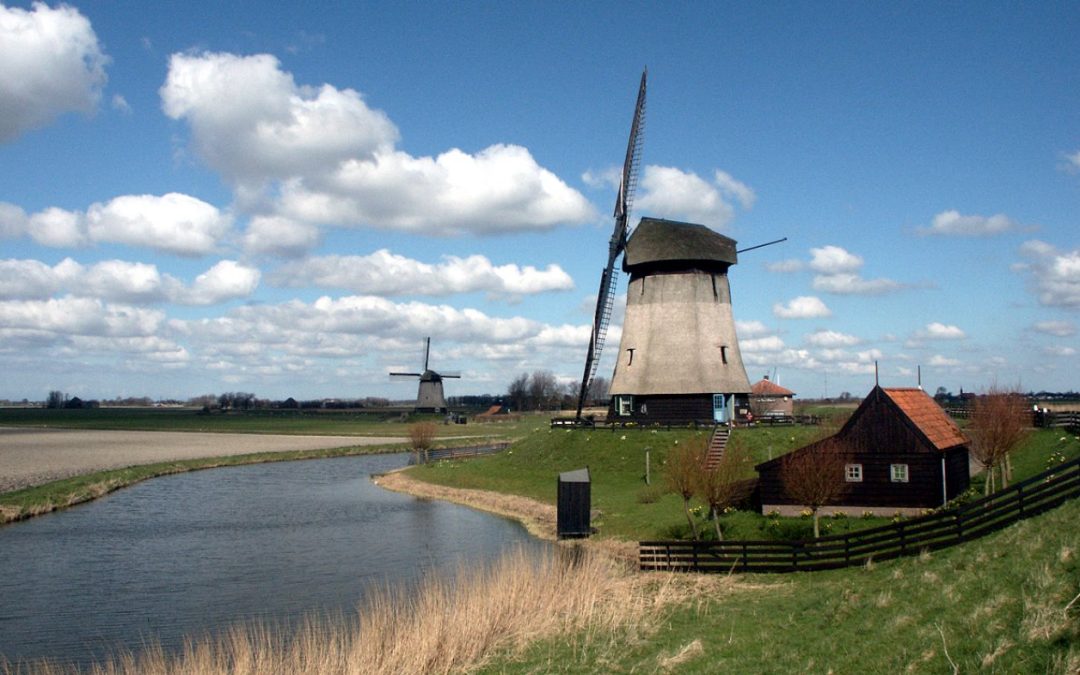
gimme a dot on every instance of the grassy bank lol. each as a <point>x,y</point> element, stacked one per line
<point>33,501</point>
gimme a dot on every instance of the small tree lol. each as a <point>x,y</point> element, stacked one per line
<point>998,422</point>
<point>684,463</point>
<point>816,477</point>
<point>719,485</point>
<point>421,437</point>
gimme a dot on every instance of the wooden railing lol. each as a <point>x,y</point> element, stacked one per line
<point>436,454</point>
<point>908,537</point>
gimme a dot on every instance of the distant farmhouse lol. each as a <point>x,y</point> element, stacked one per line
<point>768,399</point>
<point>902,453</point>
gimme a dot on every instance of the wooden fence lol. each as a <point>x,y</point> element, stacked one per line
<point>908,537</point>
<point>435,454</point>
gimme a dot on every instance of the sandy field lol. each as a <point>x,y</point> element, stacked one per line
<point>35,456</point>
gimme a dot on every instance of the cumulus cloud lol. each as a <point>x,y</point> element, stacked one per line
<point>785,266</point>
<point>940,361</point>
<point>831,338</point>
<point>837,273</point>
<point>1073,161</point>
<point>79,316</point>
<point>834,260</point>
<point>1059,350</point>
<point>330,159</point>
<point>384,273</point>
<point>803,307</point>
<point>50,63</point>
<point>750,329</point>
<point>935,331</point>
<point>1054,275</point>
<point>953,223</point>
<point>284,237</point>
<point>173,223</point>
<point>673,193</point>
<point>1055,328</point>
<point>123,282</point>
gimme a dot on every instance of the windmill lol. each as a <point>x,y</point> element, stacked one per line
<point>623,201</point>
<point>429,397</point>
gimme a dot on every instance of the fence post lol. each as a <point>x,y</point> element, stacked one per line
<point>745,562</point>
<point>1020,498</point>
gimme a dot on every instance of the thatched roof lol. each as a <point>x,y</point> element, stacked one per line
<point>658,241</point>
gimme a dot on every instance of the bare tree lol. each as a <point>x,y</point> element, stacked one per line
<point>998,423</point>
<point>720,485</point>
<point>422,437</point>
<point>518,392</point>
<point>543,389</point>
<point>684,463</point>
<point>814,478</point>
<point>56,399</point>
<point>598,390</point>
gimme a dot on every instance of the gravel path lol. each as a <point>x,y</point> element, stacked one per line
<point>35,456</point>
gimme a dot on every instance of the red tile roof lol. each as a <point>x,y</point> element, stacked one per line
<point>767,387</point>
<point>928,416</point>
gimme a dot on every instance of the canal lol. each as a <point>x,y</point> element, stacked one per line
<point>193,553</point>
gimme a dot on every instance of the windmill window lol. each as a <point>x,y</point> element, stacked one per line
<point>630,360</point>
<point>899,473</point>
<point>853,473</point>
<point>723,354</point>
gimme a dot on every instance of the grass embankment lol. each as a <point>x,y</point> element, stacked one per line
<point>300,422</point>
<point>40,499</point>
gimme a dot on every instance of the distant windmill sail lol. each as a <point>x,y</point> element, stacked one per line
<point>624,200</point>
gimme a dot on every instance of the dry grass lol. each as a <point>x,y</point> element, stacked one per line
<point>449,624</point>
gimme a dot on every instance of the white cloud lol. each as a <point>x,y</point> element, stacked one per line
<point>831,338</point>
<point>331,159</point>
<point>803,307</point>
<point>279,236</point>
<point>175,223</point>
<point>750,329</point>
<point>834,260</point>
<point>1055,328</point>
<point>79,316</point>
<point>226,280</point>
<point>672,193</point>
<point>124,282</point>
<point>1072,162</point>
<point>385,273</point>
<point>120,104</point>
<point>499,189</point>
<point>853,284</point>
<point>1059,350</point>
<point>605,178</point>
<point>939,361</point>
<point>952,223</point>
<point>785,266</point>
<point>940,331</point>
<point>50,63</point>
<point>772,343</point>
<point>58,228</point>
<point>1054,274</point>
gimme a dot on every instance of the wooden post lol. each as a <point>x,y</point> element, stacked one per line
<point>647,467</point>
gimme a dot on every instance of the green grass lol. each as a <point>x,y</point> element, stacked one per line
<point>330,422</point>
<point>629,509</point>
<point>997,605</point>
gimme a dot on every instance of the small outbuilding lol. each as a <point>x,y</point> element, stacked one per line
<point>770,400</point>
<point>902,453</point>
<point>574,504</point>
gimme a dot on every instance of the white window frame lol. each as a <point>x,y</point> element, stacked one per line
<point>899,473</point>
<point>624,406</point>
<point>853,473</point>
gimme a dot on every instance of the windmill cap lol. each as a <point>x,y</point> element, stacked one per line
<point>656,240</point>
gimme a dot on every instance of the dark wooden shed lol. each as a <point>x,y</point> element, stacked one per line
<point>574,504</point>
<point>903,454</point>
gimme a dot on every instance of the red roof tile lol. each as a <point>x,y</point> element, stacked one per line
<point>767,387</point>
<point>928,416</point>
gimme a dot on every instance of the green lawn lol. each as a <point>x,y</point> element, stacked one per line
<point>630,509</point>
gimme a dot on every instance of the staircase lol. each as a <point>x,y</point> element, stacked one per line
<point>717,445</point>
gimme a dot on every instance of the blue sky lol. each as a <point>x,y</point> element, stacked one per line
<point>286,198</point>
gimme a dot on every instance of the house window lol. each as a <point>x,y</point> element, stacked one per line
<point>624,405</point>
<point>853,473</point>
<point>899,473</point>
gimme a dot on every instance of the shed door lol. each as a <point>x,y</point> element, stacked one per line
<point>720,409</point>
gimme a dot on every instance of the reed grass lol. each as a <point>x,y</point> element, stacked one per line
<point>449,623</point>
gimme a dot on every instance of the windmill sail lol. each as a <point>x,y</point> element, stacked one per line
<point>624,200</point>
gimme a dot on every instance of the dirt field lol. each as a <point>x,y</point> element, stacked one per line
<point>35,456</point>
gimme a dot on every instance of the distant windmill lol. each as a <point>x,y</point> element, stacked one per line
<point>429,397</point>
